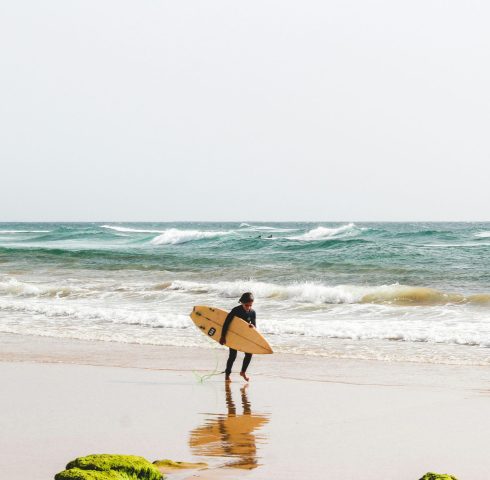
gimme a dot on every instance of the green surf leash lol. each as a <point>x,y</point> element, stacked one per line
<point>202,378</point>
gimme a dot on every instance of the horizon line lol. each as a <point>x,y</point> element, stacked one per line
<point>243,221</point>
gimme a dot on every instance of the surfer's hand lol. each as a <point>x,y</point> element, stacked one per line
<point>250,325</point>
<point>222,340</point>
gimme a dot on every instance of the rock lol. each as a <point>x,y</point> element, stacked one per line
<point>110,467</point>
<point>78,474</point>
<point>437,476</point>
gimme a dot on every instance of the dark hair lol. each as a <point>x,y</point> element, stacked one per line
<point>247,297</point>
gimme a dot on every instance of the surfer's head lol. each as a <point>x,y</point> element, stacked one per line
<point>247,300</point>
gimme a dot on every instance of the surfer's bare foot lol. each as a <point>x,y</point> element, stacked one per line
<point>227,378</point>
<point>244,375</point>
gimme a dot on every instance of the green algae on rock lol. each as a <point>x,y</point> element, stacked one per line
<point>110,467</point>
<point>78,474</point>
<point>437,476</point>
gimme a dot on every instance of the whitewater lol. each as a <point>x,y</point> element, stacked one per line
<point>377,291</point>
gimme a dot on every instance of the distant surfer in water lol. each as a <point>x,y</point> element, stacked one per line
<point>245,312</point>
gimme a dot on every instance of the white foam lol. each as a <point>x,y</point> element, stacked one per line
<point>97,314</point>
<point>324,233</point>
<point>393,329</point>
<point>174,236</point>
<point>130,230</point>
<point>297,294</point>
<point>315,295</point>
<point>301,316</point>
<point>483,234</point>
<point>130,322</point>
<point>305,292</point>
<point>266,228</point>
<point>15,288</point>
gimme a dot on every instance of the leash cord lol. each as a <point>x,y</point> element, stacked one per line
<point>202,378</point>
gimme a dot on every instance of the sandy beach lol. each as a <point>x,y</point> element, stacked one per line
<point>299,416</point>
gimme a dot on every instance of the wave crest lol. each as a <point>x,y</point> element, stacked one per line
<point>315,293</point>
<point>174,236</point>
<point>130,230</point>
<point>408,295</point>
<point>20,289</point>
<point>295,293</point>
<point>265,228</point>
<point>325,233</point>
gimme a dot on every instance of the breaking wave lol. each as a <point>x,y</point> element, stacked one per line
<point>323,294</point>
<point>325,233</point>
<point>130,230</point>
<point>295,293</point>
<point>174,236</point>
<point>15,288</point>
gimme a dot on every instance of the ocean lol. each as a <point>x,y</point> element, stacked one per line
<point>416,292</point>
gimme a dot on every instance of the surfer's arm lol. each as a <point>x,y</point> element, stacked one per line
<point>226,325</point>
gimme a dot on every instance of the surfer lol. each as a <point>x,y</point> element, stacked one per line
<point>245,312</point>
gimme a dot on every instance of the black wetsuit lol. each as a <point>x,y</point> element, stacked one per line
<point>249,317</point>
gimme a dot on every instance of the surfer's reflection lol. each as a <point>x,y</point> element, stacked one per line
<point>231,435</point>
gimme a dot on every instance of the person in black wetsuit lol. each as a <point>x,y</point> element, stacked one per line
<point>244,311</point>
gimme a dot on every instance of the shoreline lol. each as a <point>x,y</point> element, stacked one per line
<point>37,349</point>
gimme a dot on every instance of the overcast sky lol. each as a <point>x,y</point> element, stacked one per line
<point>233,110</point>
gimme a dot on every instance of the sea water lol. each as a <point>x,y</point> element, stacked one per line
<point>381,291</point>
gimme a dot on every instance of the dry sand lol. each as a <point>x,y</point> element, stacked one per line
<point>300,417</point>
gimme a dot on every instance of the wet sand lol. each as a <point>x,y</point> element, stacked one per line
<point>300,417</point>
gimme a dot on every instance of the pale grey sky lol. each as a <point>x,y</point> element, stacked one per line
<point>231,110</point>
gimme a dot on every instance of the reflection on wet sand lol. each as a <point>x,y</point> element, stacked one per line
<point>231,435</point>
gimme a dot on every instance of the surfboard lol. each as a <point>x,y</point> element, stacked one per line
<point>240,336</point>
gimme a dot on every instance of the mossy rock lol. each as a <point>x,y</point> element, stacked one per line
<point>437,476</point>
<point>110,467</point>
<point>169,465</point>
<point>78,474</point>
